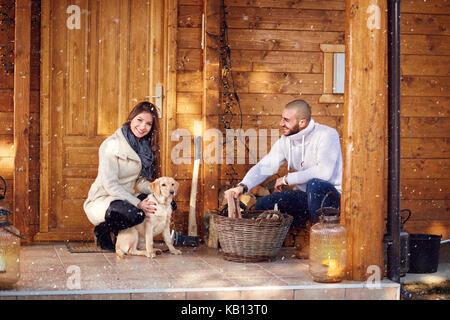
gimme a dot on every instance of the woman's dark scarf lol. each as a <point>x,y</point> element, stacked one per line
<point>142,148</point>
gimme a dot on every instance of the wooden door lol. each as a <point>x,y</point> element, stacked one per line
<point>99,59</point>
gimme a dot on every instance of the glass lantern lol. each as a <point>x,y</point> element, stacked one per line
<point>9,249</point>
<point>9,252</point>
<point>328,248</point>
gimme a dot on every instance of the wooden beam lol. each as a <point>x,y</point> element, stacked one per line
<point>45,117</point>
<point>211,98</point>
<point>22,63</point>
<point>363,203</point>
<point>170,61</point>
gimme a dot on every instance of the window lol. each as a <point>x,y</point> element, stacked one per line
<point>333,73</point>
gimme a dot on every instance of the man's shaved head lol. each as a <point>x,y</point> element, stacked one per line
<point>303,111</point>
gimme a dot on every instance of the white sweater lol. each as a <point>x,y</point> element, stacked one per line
<point>118,175</point>
<point>314,152</point>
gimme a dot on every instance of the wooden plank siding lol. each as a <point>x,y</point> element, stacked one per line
<point>189,104</point>
<point>276,58</point>
<point>425,121</point>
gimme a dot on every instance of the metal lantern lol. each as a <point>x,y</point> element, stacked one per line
<point>328,247</point>
<point>9,247</point>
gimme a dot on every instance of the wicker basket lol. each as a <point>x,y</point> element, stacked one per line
<point>251,240</point>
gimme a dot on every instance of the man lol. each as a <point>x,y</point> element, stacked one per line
<point>313,152</point>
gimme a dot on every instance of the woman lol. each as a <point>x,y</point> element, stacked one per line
<point>127,159</point>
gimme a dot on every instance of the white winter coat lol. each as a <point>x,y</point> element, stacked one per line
<point>118,174</point>
<point>314,152</point>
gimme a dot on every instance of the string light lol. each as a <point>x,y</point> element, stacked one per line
<point>230,98</point>
<point>7,45</point>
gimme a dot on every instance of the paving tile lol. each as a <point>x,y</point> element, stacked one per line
<point>254,273</point>
<point>389,293</point>
<point>212,282</point>
<point>37,250</point>
<point>196,274</point>
<point>159,296</point>
<point>298,280</point>
<point>149,283</point>
<point>136,274</point>
<point>183,265</point>
<point>47,297</point>
<point>213,295</point>
<point>266,294</point>
<point>251,281</point>
<point>92,272</point>
<point>44,281</point>
<point>85,259</point>
<point>106,296</point>
<point>287,270</point>
<point>138,269</point>
<point>240,270</point>
<point>319,294</point>
<point>101,281</point>
<point>44,265</point>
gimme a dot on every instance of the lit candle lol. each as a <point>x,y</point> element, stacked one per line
<point>333,267</point>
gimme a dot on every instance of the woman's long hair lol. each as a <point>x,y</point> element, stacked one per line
<point>153,135</point>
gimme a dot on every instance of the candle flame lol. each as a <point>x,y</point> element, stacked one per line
<point>334,269</point>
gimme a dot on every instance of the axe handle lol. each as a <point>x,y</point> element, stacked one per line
<point>192,223</point>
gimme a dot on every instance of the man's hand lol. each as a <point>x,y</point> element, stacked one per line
<point>279,185</point>
<point>234,192</point>
<point>232,196</point>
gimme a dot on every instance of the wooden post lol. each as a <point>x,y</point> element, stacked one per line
<point>363,203</point>
<point>170,121</point>
<point>22,63</point>
<point>211,99</point>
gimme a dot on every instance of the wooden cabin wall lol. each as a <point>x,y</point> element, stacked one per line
<point>276,57</point>
<point>425,115</point>
<point>7,119</point>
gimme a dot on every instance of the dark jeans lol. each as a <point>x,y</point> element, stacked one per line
<point>119,215</point>
<point>302,205</point>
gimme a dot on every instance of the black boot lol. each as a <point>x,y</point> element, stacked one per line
<point>103,235</point>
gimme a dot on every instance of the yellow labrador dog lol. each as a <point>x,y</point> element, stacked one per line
<point>163,190</point>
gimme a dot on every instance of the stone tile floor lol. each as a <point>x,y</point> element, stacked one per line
<point>431,286</point>
<point>53,272</point>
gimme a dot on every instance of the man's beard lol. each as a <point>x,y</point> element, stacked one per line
<point>293,130</point>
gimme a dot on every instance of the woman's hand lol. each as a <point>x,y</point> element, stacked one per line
<point>148,207</point>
